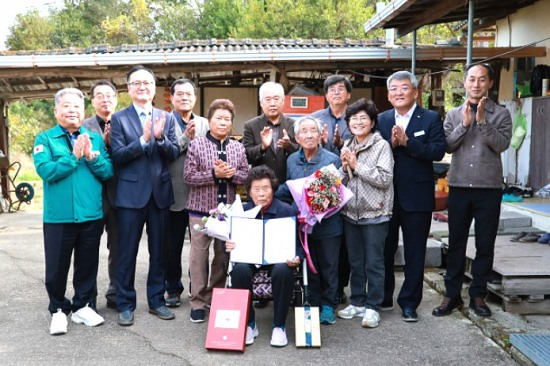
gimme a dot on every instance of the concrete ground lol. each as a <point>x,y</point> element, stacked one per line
<point>25,340</point>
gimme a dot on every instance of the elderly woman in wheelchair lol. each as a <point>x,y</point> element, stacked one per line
<point>261,185</point>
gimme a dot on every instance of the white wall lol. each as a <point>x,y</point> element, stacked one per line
<point>244,99</point>
<point>527,25</point>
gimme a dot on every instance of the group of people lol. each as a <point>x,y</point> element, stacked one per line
<point>143,166</point>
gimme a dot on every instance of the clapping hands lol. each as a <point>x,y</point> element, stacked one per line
<point>83,147</point>
<point>223,170</point>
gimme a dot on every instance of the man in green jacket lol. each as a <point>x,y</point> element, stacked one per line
<point>72,161</point>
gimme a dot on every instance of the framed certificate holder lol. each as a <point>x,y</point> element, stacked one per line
<point>228,319</point>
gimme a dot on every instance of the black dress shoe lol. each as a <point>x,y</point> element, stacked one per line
<point>163,312</point>
<point>447,306</point>
<point>410,315</point>
<point>126,318</point>
<point>480,308</point>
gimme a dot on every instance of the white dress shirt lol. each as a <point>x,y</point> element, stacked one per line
<point>403,120</point>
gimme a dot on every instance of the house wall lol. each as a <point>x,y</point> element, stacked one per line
<point>245,100</point>
<point>527,25</point>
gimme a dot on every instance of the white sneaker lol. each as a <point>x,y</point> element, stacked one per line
<point>88,316</point>
<point>352,311</point>
<point>251,334</point>
<point>278,337</point>
<point>59,323</point>
<point>370,319</point>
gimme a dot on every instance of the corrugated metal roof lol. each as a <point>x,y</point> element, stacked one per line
<point>407,15</point>
<point>28,74</point>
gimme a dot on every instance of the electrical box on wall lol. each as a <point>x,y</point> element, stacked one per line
<point>438,98</point>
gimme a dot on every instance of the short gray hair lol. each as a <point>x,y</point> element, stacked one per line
<point>306,119</point>
<point>65,91</point>
<point>270,85</point>
<point>403,75</point>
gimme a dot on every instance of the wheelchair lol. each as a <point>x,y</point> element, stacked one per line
<point>262,288</point>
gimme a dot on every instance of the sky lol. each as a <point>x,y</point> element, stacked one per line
<point>8,13</point>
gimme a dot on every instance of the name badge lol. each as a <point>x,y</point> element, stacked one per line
<point>419,133</point>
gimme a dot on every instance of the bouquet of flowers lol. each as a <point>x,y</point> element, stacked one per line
<point>320,195</point>
<point>323,191</point>
<point>217,224</point>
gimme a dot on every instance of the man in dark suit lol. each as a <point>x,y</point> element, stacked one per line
<point>417,139</point>
<point>269,138</point>
<point>143,142</point>
<point>104,101</point>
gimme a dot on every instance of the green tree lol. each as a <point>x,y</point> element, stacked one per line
<point>175,20</point>
<point>31,31</point>
<point>26,120</point>
<point>218,18</point>
<point>336,19</point>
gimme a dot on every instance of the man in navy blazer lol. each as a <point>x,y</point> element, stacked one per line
<point>142,143</point>
<point>417,139</point>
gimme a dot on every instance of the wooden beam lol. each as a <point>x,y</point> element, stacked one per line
<point>429,15</point>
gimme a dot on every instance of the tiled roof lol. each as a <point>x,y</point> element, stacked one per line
<point>210,45</point>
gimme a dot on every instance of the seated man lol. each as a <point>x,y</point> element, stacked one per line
<point>261,185</point>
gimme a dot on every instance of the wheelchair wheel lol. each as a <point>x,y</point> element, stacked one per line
<point>24,192</point>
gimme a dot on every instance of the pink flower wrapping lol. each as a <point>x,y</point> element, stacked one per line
<point>320,195</point>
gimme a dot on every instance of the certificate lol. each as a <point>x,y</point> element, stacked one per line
<point>266,241</point>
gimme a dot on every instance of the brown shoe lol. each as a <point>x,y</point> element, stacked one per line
<point>447,306</point>
<point>478,305</point>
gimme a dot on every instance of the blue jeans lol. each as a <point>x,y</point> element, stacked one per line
<point>365,245</point>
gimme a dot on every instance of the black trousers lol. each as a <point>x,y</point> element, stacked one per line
<point>465,204</point>
<point>110,220</point>
<point>416,228</point>
<point>60,240</point>
<point>282,282</point>
<point>323,286</point>
<point>177,224</point>
<point>343,267</point>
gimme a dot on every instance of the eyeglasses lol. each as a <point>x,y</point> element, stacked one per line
<point>140,83</point>
<point>361,118</point>
<point>104,96</point>
<point>402,89</point>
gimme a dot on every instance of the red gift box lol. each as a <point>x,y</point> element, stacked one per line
<point>228,319</point>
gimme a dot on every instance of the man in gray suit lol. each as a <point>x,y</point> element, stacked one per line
<point>104,100</point>
<point>188,126</point>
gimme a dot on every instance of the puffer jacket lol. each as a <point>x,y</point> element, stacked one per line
<point>372,181</point>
